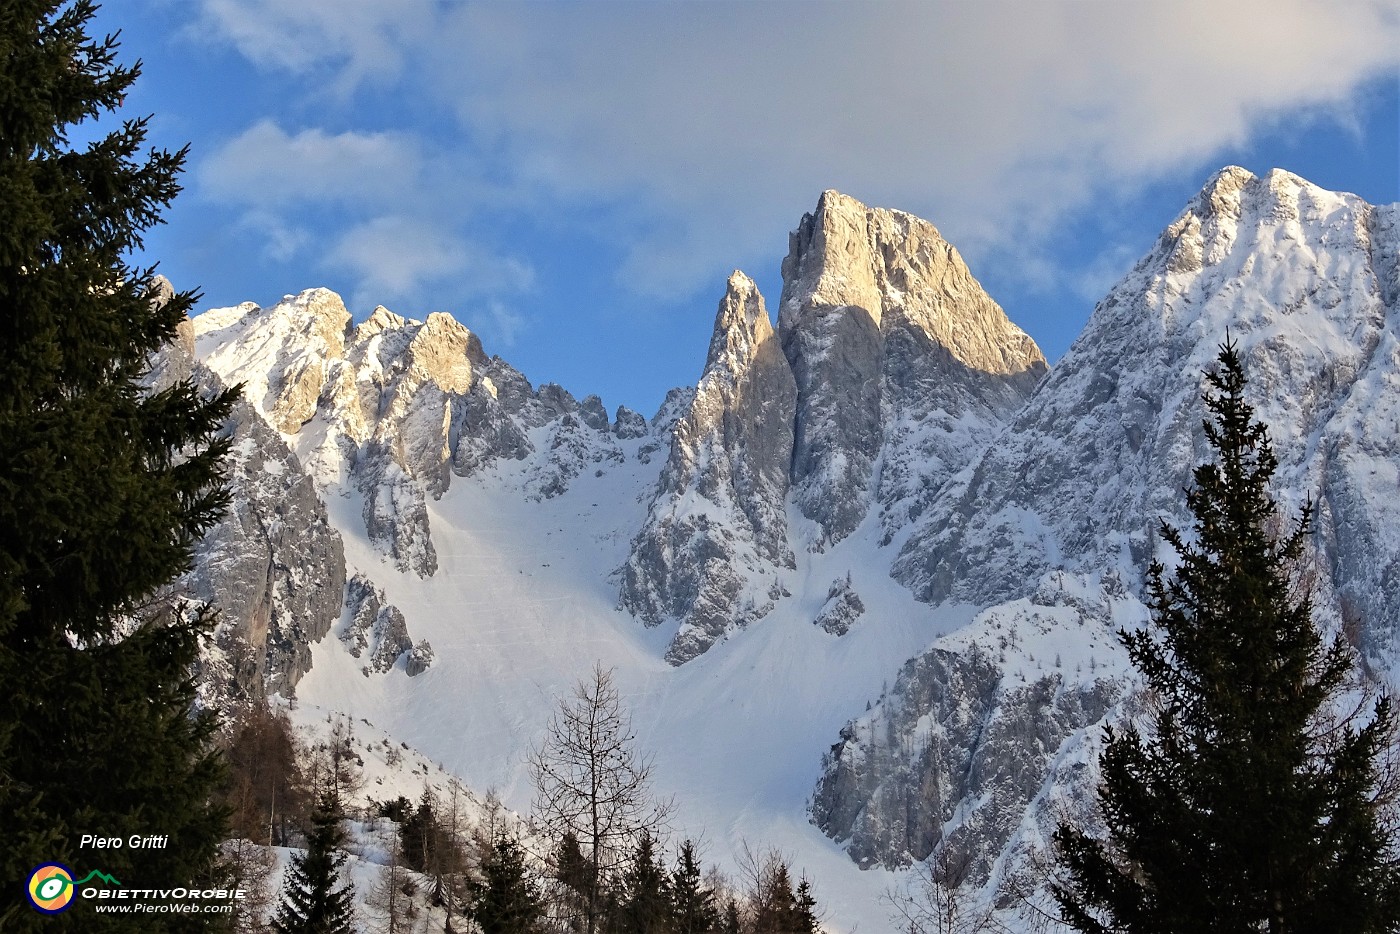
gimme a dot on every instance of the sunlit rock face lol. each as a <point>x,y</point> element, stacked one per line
<point>393,408</point>
<point>900,358</point>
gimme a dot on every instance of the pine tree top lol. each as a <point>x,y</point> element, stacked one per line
<point>1249,802</point>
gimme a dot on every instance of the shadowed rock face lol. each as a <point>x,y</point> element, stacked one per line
<point>717,528</point>
<point>273,566</point>
<point>895,349</point>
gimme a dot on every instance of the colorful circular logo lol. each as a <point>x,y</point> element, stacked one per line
<point>50,888</point>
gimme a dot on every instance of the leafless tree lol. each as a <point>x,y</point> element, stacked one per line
<point>593,785</point>
<point>250,869</point>
<point>455,827</point>
<point>391,894</point>
<point>336,766</point>
<point>941,898</point>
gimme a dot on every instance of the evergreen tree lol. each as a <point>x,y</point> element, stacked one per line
<point>730,922</point>
<point>775,909</point>
<point>1243,809</point>
<point>645,900</point>
<point>693,908</point>
<point>420,834</point>
<point>575,877</point>
<point>804,915</point>
<point>313,902</point>
<point>507,899</point>
<point>104,486</point>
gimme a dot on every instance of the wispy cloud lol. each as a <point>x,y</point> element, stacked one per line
<point>394,258</point>
<point>400,225</point>
<point>268,166</point>
<point>503,324</point>
<point>696,133</point>
<point>353,42</point>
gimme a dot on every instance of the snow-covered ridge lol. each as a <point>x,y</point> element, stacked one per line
<point>883,500</point>
<point>391,409</point>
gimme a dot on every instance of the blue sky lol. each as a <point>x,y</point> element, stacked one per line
<point>576,181</point>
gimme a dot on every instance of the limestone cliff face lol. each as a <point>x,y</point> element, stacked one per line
<point>904,366</point>
<point>273,567</point>
<point>716,532</point>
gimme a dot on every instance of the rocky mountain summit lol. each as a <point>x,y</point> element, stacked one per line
<point>889,369</point>
<point>1053,525</point>
<point>888,483</point>
<point>904,365</point>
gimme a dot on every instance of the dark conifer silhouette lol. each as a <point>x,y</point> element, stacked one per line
<point>105,485</point>
<point>1243,809</point>
<point>693,903</point>
<point>645,898</point>
<point>507,898</point>
<point>314,900</point>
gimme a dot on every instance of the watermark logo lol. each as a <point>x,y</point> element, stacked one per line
<point>51,887</point>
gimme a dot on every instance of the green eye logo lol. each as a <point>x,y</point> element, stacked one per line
<point>50,888</point>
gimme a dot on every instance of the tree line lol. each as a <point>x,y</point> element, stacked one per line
<point>591,858</point>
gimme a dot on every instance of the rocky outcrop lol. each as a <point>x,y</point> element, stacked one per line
<point>377,631</point>
<point>571,447</point>
<point>842,608</point>
<point>716,532</point>
<point>957,751</point>
<point>273,567</point>
<point>629,424</point>
<point>899,357</point>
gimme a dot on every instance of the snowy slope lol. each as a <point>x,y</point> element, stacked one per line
<point>946,621</point>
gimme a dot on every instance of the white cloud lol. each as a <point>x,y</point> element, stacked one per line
<point>697,133</point>
<point>393,258</point>
<point>399,218</point>
<point>358,41</point>
<point>267,166</point>
<point>992,119</point>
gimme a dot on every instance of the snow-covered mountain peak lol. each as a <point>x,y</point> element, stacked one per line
<point>1297,275</point>
<point>379,321</point>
